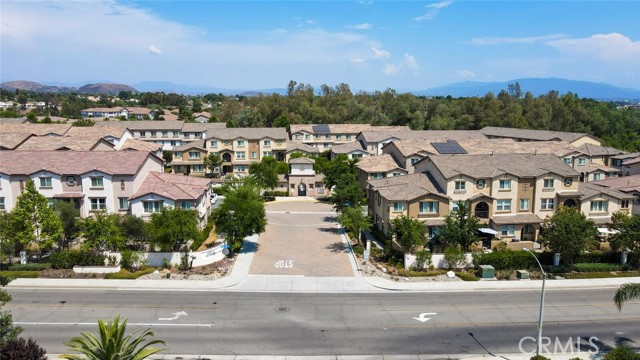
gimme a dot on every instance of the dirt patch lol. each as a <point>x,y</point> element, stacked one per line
<point>67,274</point>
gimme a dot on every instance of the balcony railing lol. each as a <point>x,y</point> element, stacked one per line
<point>481,214</point>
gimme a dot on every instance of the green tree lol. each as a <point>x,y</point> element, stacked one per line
<point>7,241</point>
<point>568,232</point>
<point>628,236</point>
<point>241,214</point>
<point>112,344</point>
<point>353,219</point>
<point>133,228</point>
<point>83,123</point>
<point>282,121</point>
<point>103,232</point>
<point>8,331</point>
<point>410,233</point>
<point>625,293</point>
<point>22,349</point>
<point>339,169</point>
<point>265,172</point>
<point>167,156</point>
<point>212,162</point>
<point>461,228</point>
<point>69,216</point>
<point>34,221</point>
<point>171,226</point>
<point>347,193</point>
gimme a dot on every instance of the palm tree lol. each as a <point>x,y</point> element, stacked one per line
<point>626,292</point>
<point>112,344</point>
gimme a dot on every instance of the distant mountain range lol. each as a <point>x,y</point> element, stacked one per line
<point>537,86</point>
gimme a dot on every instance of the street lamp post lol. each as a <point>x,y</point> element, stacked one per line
<point>544,278</point>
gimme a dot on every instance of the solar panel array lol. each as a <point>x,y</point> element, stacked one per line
<point>449,147</point>
<point>321,129</point>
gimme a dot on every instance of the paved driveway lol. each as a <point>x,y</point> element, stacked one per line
<point>301,238</point>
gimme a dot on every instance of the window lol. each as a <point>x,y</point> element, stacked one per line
<point>177,154</point>
<point>307,136</point>
<point>267,154</point>
<point>98,204</point>
<point>547,204</point>
<point>318,136</point>
<point>524,204</point>
<point>165,134</point>
<point>507,230</point>
<point>121,184</point>
<point>396,173</point>
<point>599,206</point>
<point>2,208</point>
<point>460,186</point>
<point>226,142</point>
<point>123,203</point>
<point>548,184</point>
<point>278,142</point>
<point>240,143</point>
<point>143,134</point>
<point>582,161</point>
<point>176,133</point>
<point>197,168</point>
<point>240,155</point>
<point>356,156</point>
<point>428,207</point>
<point>194,155</point>
<point>480,183</point>
<point>213,143</point>
<point>153,134</point>
<point>338,137</point>
<point>348,137</point>
<point>624,204</point>
<point>45,182</point>
<point>241,168</point>
<point>152,206</point>
<point>505,184</point>
<point>376,175</point>
<point>568,181</point>
<point>398,206</point>
<point>503,205</point>
<point>97,182</point>
<point>433,231</point>
<point>596,176</point>
<point>267,143</point>
<point>567,161</point>
<point>185,204</point>
<point>71,180</point>
<point>187,135</point>
<point>454,206</point>
<point>328,136</point>
<point>297,137</point>
<point>254,154</point>
<point>414,160</point>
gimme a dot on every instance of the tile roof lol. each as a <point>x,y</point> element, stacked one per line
<point>249,133</point>
<point>590,190</point>
<point>73,143</point>
<point>198,144</point>
<point>173,186</point>
<point>10,140</point>
<point>625,156</point>
<point>302,160</point>
<point>140,145</point>
<point>621,183</point>
<point>143,124</point>
<point>347,148</point>
<point>36,129</point>
<point>296,146</point>
<point>406,187</point>
<point>631,161</point>
<point>531,134</point>
<point>490,166</point>
<point>380,163</point>
<point>595,167</point>
<point>204,113</point>
<point>516,219</point>
<point>16,162</point>
<point>100,131</point>
<point>597,150</point>
<point>104,109</point>
<point>202,127</point>
<point>20,120</point>
<point>439,135</point>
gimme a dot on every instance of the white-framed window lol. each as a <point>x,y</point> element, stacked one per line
<point>318,136</point>
<point>176,133</point>
<point>460,185</point>
<point>165,134</point>
<point>624,204</point>
<point>480,183</point>
<point>396,173</point>
<point>414,160</point>
<point>240,143</point>
<point>398,206</point>
<point>2,206</point>
<point>240,155</point>
<point>123,203</point>
<point>504,184</point>
<point>152,206</point>
<point>194,155</point>
<point>254,154</point>
<point>348,137</point>
<point>266,143</point>
<point>241,168</point>
<point>307,136</point>
<point>503,205</point>
<point>328,136</point>
<point>454,206</point>
<point>338,137</point>
<point>185,204</point>
<point>428,207</point>
<point>296,136</point>
<point>507,230</point>
<point>197,168</point>
<point>433,231</point>
<point>524,204</point>
<point>213,143</point>
<point>153,134</point>
<point>548,184</point>
<point>599,206</point>
<point>98,203</point>
<point>376,175</point>
<point>45,182</point>
<point>567,161</point>
<point>568,181</point>
<point>582,161</point>
<point>267,154</point>
<point>356,156</point>
<point>143,133</point>
<point>177,154</point>
<point>547,204</point>
<point>596,176</point>
<point>97,182</point>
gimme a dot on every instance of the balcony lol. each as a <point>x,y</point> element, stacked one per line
<point>481,214</point>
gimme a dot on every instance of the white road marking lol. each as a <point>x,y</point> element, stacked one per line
<point>95,323</point>
<point>302,212</point>
<point>175,316</point>
<point>422,317</point>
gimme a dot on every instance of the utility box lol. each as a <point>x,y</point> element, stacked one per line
<point>522,274</point>
<point>486,272</point>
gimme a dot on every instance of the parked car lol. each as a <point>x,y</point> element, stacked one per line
<point>214,198</point>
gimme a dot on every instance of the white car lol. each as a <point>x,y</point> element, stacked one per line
<point>214,198</point>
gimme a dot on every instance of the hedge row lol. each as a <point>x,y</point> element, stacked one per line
<point>506,260</point>
<point>30,267</point>
<point>67,259</point>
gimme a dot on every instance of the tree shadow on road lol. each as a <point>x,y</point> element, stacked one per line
<point>586,343</point>
<point>249,247</point>
<point>337,247</point>
<point>330,219</point>
<point>335,231</point>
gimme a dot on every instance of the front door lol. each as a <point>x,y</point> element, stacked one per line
<point>302,190</point>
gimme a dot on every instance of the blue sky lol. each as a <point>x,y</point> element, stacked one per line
<point>370,45</point>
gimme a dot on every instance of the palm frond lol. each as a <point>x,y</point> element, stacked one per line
<point>625,293</point>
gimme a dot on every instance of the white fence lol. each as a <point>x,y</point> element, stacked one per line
<point>436,259</point>
<point>200,258</point>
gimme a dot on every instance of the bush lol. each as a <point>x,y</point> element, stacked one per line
<point>266,198</point>
<point>622,353</point>
<point>423,258</point>
<point>601,275</point>
<point>204,234</point>
<point>67,259</point>
<point>539,357</point>
<point>595,267</point>
<point>506,260</point>
<point>127,275</point>
<point>455,258</point>
<point>129,260</point>
<point>465,276</point>
<point>413,273</point>
<point>20,274</point>
<point>22,349</point>
<point>30,267</point>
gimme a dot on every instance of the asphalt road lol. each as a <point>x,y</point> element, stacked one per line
<point>329,324</point>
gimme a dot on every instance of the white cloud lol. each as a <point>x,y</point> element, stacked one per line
<point>356,60</point>
<point>310,22</point>
<point>410,61</point>
<point>391,69</point>
<point>363,26</point>
<point>380,53</point>
<point>154,49</point>
<point>482,41</point>
<point>612,47</point>
<point>433,10</point>
<point>466,74</point>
